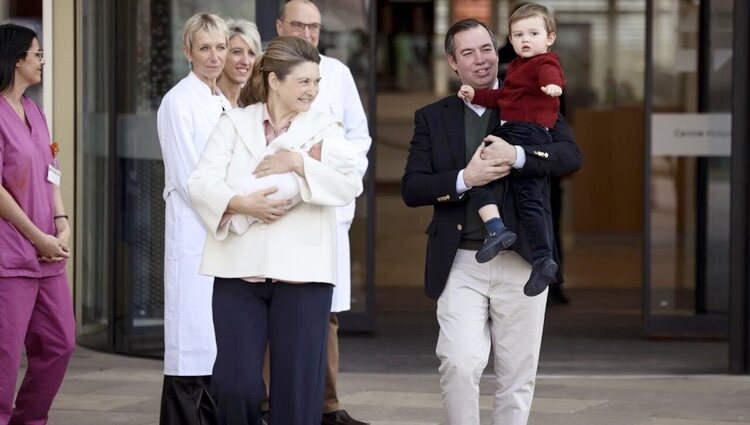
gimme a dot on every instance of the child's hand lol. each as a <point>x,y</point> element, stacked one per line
<point>552,90</point>
<point>466,92</point>
<point>316,150</point>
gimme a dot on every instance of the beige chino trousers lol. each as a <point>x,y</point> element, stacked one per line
<point>483,306</point>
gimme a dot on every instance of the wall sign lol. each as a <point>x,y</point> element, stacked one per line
<point>691,134</point>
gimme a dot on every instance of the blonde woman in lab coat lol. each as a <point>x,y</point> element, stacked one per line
<point>186,116</point>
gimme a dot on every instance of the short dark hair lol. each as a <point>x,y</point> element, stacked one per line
<point>15,41</point>
<point>463,25</point>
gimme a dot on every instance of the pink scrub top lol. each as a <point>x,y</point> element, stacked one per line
<point>25,156</point>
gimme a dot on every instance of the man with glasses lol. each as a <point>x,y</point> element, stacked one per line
<point>338,96</point>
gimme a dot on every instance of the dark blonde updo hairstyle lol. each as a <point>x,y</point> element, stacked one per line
<point>281,55</point>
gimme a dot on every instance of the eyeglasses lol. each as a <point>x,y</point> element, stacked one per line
<point>299,27</point>
<point>39,54</point>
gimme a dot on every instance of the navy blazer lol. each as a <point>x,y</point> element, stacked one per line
<point>436,155</point>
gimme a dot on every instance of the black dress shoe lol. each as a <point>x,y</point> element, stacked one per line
<point>340,417</point>
<point>494,243</point>
<point>543,273</point>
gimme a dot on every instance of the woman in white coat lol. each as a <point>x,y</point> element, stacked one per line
<point>186,116</point>
<point>273,280</point>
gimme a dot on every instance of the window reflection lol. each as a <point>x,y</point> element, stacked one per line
<point>690,194</point>
<point>94,184</point>
<point>131,56</point>
<point>345,36</point>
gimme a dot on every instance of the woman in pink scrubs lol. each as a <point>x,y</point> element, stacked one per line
<point>36,310</point>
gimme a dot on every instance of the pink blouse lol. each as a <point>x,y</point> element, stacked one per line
<point>25,156</point>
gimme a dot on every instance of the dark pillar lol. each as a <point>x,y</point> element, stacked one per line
<point>739,309</point>
<point>266,13</point>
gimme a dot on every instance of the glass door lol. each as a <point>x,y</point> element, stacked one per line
<point>149,61</point>
<point>689,75</point>
<point>95,180</point>
<point>130,57</point>
<point>348,35</point>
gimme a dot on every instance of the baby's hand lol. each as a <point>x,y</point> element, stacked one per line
<point>552,90</point>
<point>316,150</point>
<point>466,92</point>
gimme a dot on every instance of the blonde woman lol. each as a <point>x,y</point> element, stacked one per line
<point>273,282</point>
<point>186,116</point>
<point>244,47</point>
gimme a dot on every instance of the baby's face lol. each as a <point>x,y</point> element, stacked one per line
<point>529,37</point>
<point>316,150</point>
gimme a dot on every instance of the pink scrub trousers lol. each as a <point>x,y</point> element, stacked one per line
<point>36,313</point>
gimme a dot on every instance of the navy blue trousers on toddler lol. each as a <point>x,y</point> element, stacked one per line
<point>533,212</point>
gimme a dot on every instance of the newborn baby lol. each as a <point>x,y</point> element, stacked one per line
<point>287,184</point>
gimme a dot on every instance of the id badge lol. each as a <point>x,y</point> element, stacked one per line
<point>53,175</point>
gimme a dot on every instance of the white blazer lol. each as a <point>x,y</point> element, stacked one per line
<point>186,117</point>
<point>301,245</point>
<point>287,184</point>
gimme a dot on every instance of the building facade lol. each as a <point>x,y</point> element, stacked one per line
<point>656,93</point>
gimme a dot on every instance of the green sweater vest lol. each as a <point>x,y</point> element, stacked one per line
<point>475,129</point>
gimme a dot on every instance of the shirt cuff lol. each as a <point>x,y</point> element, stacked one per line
<point>520,158</point>
<point>461,184</point>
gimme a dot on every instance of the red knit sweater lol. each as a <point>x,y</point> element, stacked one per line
<point>521,97</point>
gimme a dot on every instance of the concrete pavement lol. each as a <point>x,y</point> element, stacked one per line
<point>110,389</point>
<point>595,368</point>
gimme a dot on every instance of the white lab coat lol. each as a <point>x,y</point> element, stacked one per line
<point>339,97</point>
<point>186,117</point>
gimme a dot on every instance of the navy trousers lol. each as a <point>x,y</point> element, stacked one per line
<point>529,192</point>
<point>293,318</point>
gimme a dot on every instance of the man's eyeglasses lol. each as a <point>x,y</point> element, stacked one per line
<point>299,27</point>
<point>39,54</point>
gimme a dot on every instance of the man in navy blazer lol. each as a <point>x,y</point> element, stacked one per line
<point>479,305</point>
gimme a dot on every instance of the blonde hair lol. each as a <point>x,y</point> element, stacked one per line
<point>281,56</point>
<point>247,31</point>
<point>530,10</point>
<point>208,22</point>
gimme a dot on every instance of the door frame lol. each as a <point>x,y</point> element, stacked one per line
<point>739,272</point>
